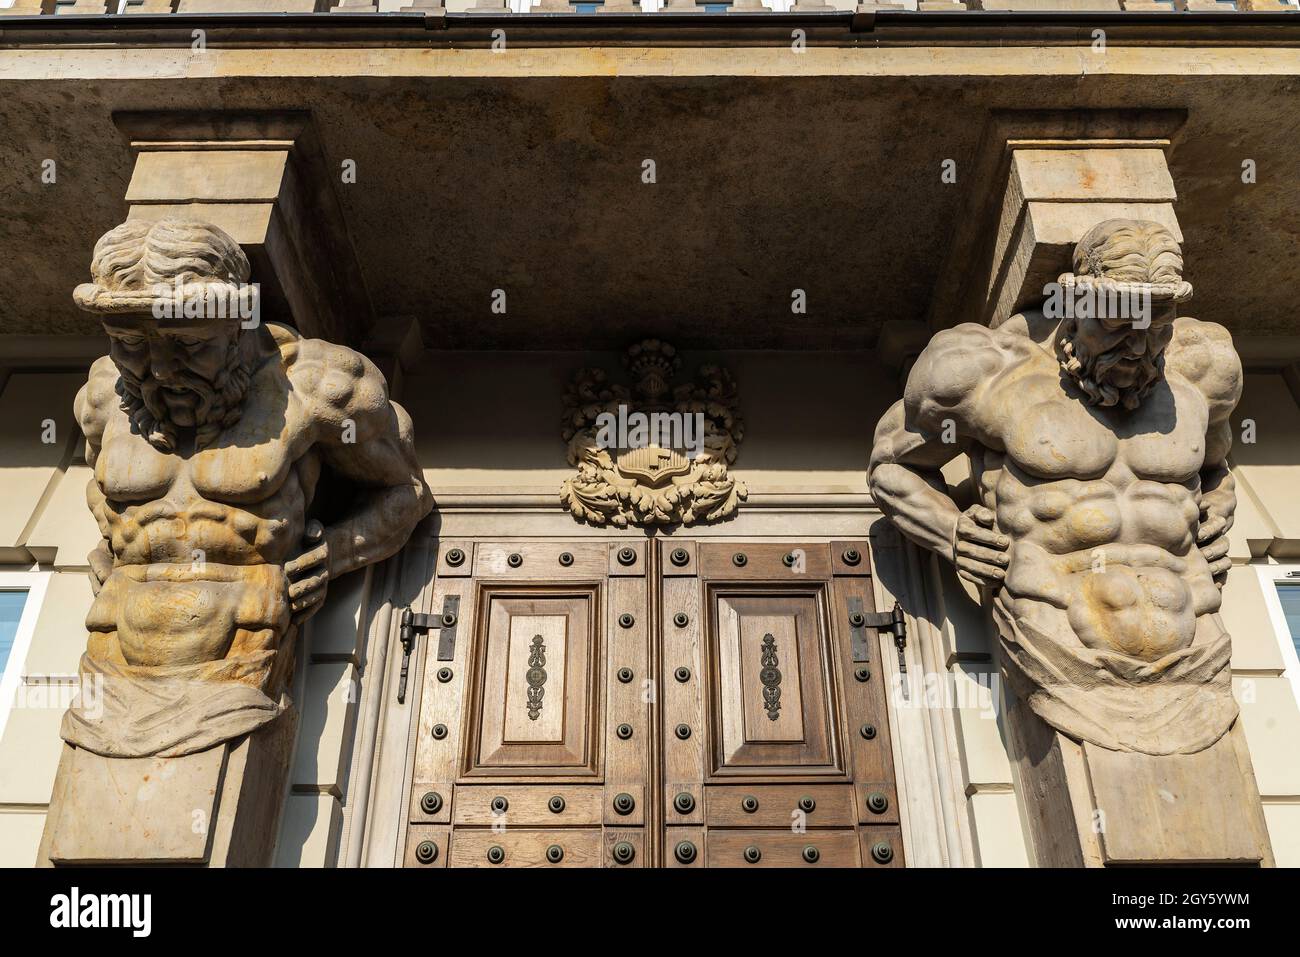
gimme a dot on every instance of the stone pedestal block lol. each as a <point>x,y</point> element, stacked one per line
<point>213,808</point>
<point>1091,807</point>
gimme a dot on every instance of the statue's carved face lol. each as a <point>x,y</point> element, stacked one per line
<point>1114,361</point>
<point>178,377</point>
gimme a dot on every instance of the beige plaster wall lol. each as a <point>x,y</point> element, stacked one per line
<point>490,421</point>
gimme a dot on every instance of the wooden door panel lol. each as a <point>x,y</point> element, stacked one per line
<point>523,847</point>
<point>636,704</point>
<point>773,702</point>
<point>782,848</point>
<point>882,847</point>
<point>787,805</point>
<point>528,805</point>
<point>537,701</point>
<point>776,563</point>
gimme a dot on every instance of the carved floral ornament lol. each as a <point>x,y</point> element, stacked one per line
<point>655,453</point>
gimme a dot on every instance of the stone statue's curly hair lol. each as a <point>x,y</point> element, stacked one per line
<point>1132,251</point>
<point>139,255</point>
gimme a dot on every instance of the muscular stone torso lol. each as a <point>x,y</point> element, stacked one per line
<point>1101,506</point>
<point>242,502</point>
<point>199,538</point>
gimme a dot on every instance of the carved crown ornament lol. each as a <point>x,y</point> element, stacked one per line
<point>653,453</point>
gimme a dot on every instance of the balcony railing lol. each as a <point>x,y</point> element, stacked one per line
<point>100,7</point>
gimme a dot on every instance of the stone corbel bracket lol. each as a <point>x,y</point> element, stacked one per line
<point>1037,182</point>
<point>263,178</point>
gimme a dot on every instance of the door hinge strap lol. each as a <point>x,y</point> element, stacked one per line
<point>413,623</point>
<point>893,621</point>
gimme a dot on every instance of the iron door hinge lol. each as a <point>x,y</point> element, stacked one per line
<point>893,621</point>
<point>413,623</point>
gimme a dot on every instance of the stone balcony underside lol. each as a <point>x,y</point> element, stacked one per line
<point>436,7</point>
<point>523,171</point>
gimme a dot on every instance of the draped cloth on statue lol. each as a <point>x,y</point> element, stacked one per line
<point>167,711</point>
<point>1180,703</point>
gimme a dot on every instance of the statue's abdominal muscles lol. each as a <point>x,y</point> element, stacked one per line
<point>1116,555</point>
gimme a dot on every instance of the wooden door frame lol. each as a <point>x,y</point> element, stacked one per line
<point>936,830</point>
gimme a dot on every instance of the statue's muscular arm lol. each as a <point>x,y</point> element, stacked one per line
<point>94,403</point>
<point>1202,353</point>
<point>369,440</point>
<point>936,420</point>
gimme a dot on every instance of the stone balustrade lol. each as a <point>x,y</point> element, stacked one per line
<point>434,7</point>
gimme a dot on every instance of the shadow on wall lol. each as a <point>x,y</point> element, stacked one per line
<point>803,411</point>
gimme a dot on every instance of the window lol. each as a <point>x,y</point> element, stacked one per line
<point>21,594</point>
<point>11,613</point>
<point>1282,596</point>
<point>587,7</point>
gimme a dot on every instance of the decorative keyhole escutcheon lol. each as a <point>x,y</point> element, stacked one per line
<point>536,677</point>
<point>770,675</point>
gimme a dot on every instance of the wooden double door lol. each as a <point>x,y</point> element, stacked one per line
<point>651,703</point>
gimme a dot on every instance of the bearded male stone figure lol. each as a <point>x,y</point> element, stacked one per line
<point>208,442</point>
<point>1098,449</point>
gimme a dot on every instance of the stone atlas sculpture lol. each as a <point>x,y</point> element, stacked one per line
<point>1098,448</point>
<point>210,435</point>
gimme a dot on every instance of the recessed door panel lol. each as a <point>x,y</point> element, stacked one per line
<point>773,689</point>
<point>536,699</point>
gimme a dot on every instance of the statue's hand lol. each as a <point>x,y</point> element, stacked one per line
<point>979,552</point>
<point>100,560</point>
<point>1212,539</point>
<point>309,573</point>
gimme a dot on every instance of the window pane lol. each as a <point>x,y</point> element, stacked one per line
<point>1290,596</point>
<point>11,610</point>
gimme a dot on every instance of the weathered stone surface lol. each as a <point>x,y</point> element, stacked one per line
<point>208,435</point>
<point>136,809</point>
<point>674,470</point>
<point>1098,449</point>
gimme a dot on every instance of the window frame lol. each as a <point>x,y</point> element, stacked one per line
<point>11,675</point>
<point>1269,576</point>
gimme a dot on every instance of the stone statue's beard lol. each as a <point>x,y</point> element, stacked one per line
<point>1090,371</point>
<point>218,407</point>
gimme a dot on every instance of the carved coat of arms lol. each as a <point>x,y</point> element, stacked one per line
<point>655,453</point>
